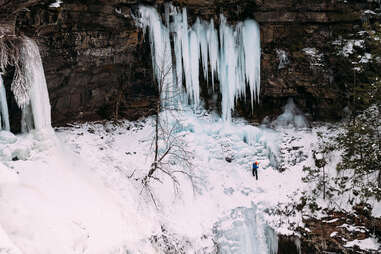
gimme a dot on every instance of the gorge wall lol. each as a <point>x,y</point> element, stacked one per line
<point>96,59</point>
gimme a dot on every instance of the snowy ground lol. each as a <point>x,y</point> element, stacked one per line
<point>79,190</point>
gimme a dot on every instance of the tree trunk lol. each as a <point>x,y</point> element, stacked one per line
<point>157,121</point>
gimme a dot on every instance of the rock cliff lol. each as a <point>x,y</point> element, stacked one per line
<point>96,59</point>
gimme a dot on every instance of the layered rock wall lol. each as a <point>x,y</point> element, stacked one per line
<point>96,60</point>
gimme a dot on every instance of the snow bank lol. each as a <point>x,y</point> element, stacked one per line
<point>51,203</point>
<point>365,244</point>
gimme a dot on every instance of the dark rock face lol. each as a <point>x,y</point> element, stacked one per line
<point>93,61</point>
<point>96,60</point>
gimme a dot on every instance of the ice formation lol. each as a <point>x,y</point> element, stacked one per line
<point>56,4</point>
<point>34,102</point>
<point>283,59</point>
<point>4,118</point>
<point>291,117</point>
<point>230,55</point>
<point>39,107</point>
<point>243,231</point>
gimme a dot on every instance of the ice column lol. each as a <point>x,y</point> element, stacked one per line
<point>231,55</point>
<point>4,117</point>
<point>244,231</point>
<point>161,52</point>
<point>38,109</point>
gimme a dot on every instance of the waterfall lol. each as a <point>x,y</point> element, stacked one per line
<point>230,54</point>
<point>4,117</point>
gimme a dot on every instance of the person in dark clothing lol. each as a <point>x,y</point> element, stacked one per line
<point>255,169</point>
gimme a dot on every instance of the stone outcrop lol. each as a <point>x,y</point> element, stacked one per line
<point>331,233</point>
<point>97,61</point>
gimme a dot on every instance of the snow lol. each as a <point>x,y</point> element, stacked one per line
<point>365,244</point>
<point>7,246</point>
<point>349,45</point>
<point>315,57</point>
<point>234,56</point>
<point>84,201</point>
<point>376,211</point>
<point>332,221</point>
<point>56,4</point>
<point>365,58</point>
<point>52,204</point>
<point>353,228</point>
<point>79,189</point>
<point>221,186</point>
<point>369,12</point>
<point>283,59</point>
<point>81,193</point>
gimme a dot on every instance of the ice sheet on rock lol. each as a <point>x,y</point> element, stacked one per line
<point>283,59</point>
<point>233,57</point>
<point>4,117</point>
<point>291,117</point>
<point>243,231</point>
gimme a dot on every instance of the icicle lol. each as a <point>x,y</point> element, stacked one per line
<point>234,57</point>
<point>4,117</point>
<point>38,93</point>
<point>186,53</point>
<point>252,48</point>
<point>201,31</point>
<point>161,52</point>
<point>194,51</point>
<point>212,39</point>
<point>178,37</point>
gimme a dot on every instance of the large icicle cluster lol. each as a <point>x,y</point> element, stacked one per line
<point>230,55</point>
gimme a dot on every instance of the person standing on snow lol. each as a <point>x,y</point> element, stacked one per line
<point>255,169</point>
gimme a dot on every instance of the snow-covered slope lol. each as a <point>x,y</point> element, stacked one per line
<point>81,193</point>
<point>51,203</point>
<point>80,190</point>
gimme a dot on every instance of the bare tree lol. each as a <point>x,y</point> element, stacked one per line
<point>171,156</point>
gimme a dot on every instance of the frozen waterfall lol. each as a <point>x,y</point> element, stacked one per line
<point>36,114</point>
<point>30,90</point>
<point>243,231</point>
<point>231,55</point>
<point>4,118</point>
